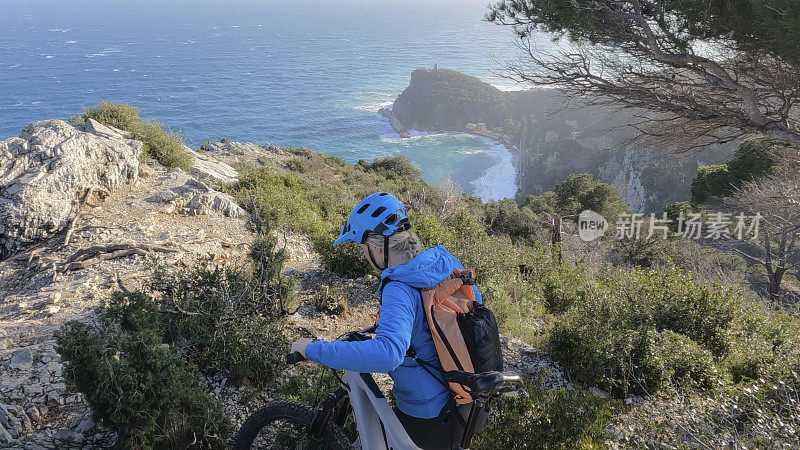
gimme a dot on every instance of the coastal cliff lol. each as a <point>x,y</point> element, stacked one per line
<point>552,140</point>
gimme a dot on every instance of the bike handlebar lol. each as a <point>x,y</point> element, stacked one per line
<point>294,358</point>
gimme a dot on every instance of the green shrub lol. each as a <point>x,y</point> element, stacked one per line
<point>712,180</point>
<point>752,159</point>
<point>330,300</point>
<point>506,217</point>
<point>118,115</point>
<point>164,145</point>
<point>607,338</point>
<point>137,386</point>
<point>582,191</point>
<point>676,210</point>
<point>159,142</point>
<point>544,204</point>
<point>224,319</point>
<point>563,286</point>
<point>548,419</point>
<point>391,167</point>
<point>138,365</point>
<point>760,414</point>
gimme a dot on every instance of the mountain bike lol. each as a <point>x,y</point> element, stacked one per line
<point>292,425</point>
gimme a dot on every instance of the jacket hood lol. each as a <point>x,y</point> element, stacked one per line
<point>427,269</point>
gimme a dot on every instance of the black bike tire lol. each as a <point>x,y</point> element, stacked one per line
<point>334,436</point>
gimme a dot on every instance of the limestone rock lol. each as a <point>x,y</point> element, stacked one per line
<point>22,359</point>
<point>45,170</point>
<point>207,168</point>
<point>193,197</point>
<point>238,152</point>
<point>99,129</point>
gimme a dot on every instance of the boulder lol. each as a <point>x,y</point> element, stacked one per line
<point>192,197</point>
<point>45,170</point>
<point>99,129</point>
<point>207,168</point>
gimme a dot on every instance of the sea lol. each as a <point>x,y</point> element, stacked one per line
<point>292,73</point>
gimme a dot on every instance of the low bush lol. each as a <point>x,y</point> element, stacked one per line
<point>506,217</point>
<point>330,300</point>
<point>617,335</point>
<point>582,191</point>
<point>760,414</point>
<point>138,363</point>
<point>391,167</point>
<point>164,145</point>
<point>136,385</point>
<point>160,143</point>
<point>752,159</point>
<point>118,115</point>
<point>548,419</point>
<point>712,180</point>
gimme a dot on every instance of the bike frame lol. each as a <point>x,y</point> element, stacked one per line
<point>377,424</point>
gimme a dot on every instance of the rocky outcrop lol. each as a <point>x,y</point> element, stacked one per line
<point>209,170</point>
<point>446,100</point>
<point>396,124</point>
<point>186,195</point>
<point>234,153</point>
<point>45,171</point>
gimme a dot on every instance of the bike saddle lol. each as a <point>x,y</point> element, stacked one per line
<point>486,382</point>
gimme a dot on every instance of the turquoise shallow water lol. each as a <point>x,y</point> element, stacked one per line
<point>301,73</point>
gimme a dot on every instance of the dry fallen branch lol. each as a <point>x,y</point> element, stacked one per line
<point>71,227</point>
<point>94,255</point>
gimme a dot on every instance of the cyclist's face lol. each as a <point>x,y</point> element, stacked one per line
<point>377,255</point>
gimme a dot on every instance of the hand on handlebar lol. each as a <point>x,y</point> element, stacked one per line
<point>299,346</point>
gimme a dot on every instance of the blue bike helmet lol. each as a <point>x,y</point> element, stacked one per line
<point>381,212</point>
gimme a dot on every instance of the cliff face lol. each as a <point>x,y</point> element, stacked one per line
<point>554,140</point>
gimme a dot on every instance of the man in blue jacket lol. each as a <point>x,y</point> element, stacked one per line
<point>379,224</point>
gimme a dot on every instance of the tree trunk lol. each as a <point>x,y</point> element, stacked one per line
<point>775,280</point>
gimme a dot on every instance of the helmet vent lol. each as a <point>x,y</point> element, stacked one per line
<point>382,194</point>
<point>363,208</point>
<point>378,211</point>
<point>390,219</point>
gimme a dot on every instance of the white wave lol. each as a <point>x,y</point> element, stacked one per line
<point>15,66</point>
<point>510,86</point>
<point>373,106</point>
<point>58,30</point>
<point>70,42</point>
<point>104,53</point>
<point>48,56</point>
<point>500,180</point>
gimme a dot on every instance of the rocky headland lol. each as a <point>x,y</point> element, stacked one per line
<point>551,140</point>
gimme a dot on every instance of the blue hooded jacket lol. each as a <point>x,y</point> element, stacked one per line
<point>402,325</point>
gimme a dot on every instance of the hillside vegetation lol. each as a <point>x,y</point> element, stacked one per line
<point>649,334</point>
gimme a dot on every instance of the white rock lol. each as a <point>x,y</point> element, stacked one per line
<point>22,359</point>
<point>209,169</point>
<point>597,392</point>
<point>45,170</point>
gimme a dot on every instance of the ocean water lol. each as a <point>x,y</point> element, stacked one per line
<point>300,73</point>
